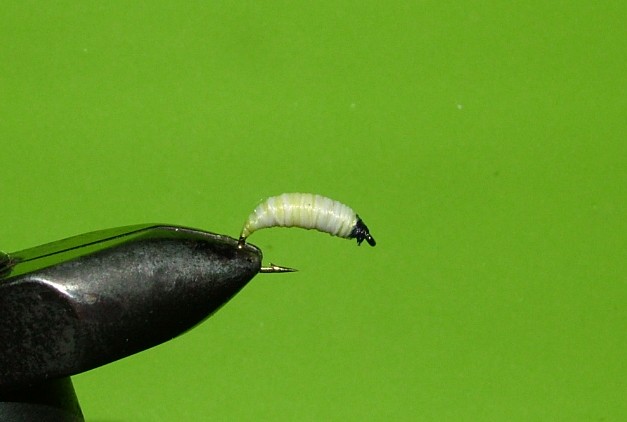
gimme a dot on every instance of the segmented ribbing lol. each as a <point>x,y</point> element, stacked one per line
<point>304,210</point>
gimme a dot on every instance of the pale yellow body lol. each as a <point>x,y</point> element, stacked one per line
<point>305,210</point>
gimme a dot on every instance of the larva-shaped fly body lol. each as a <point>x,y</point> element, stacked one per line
<point>307,211</point>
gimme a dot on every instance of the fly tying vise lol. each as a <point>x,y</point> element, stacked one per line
<point>307,211</point>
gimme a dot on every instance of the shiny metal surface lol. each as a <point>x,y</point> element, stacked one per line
<point>83,302</point>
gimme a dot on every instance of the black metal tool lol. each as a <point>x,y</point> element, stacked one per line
<point>76,304</point>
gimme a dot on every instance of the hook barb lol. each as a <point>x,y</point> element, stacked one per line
<point>276,269</point>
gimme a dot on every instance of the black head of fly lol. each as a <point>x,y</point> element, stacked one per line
<point>361,233</point>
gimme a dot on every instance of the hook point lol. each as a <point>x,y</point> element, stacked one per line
<point>272,268</point>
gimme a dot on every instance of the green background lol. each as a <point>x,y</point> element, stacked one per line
<point>484,143</point>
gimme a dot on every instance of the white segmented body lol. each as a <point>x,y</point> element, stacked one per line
<point>305,210</point>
